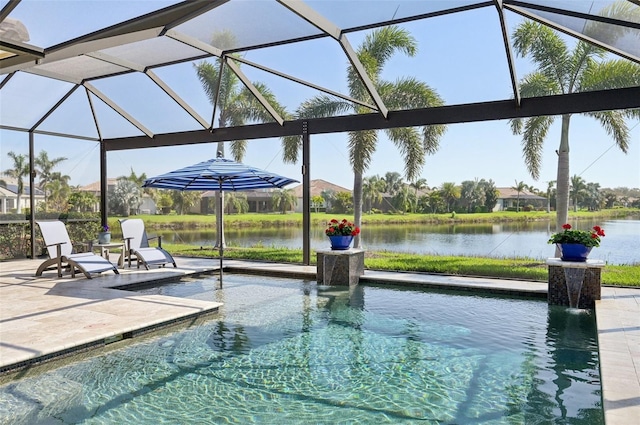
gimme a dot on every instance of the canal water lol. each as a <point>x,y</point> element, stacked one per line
<point>621,245</point>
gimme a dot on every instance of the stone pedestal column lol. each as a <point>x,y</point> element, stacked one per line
<point>574,284</point>
<point>340,267</point>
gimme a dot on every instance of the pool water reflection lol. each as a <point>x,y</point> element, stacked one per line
<point>283,351</point>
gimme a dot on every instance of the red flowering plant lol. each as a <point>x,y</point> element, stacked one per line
<point>341,228</point>
<point>589,238</point>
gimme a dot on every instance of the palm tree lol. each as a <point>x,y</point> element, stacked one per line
<point>183,200</point>
<point>372,190</point>
<point>577,189</point>
<point>285,199</point>
<point>593,196</point>
<point>45,169</point>
<point>610,199</point>
<point>562,71</point>
<point>393,182</point>
<point>316,201</point>
<point>126,197</point>
<point>329,197</point>
<point>414,143</point>
<point>449,192</point>
<point>19,171</point>
<point>235,103</point>
<point>550,185</point>
<point>138,179</point>
<point>403,199</point>
<point>435,201</point>
<point>519,188</point>
<point>490,193</point>
<point>59,192</point>
<point>418,184</point>
<point>237,201</point>
<point>472,194</point>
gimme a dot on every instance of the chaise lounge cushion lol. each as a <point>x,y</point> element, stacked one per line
<point>60,250</point>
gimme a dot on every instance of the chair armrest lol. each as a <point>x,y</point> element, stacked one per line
<point>54,244</point>
<point>86,246</point>
<point>127,242</point>
<point>159,238</point>
<point>127,249</point>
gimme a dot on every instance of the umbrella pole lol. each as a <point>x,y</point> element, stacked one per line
<point>220,230</point>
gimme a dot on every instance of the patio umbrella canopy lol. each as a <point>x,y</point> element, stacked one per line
<point>218,174</point>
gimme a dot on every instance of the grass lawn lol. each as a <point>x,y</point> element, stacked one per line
<point>518,268</point>
<point>295,219</point>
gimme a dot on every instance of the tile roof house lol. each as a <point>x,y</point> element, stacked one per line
<point>508,198</point>
<point>9,197</point>
<point>317,187</point>
<point>261,200</point>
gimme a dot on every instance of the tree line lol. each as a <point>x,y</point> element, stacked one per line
<point>388,192</point>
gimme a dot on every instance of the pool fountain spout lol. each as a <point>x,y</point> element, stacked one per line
<point>573,278</point>
<point>574,284</point>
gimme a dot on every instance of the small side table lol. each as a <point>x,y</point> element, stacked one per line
<point>105,247</point>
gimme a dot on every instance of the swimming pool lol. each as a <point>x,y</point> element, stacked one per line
<point>283,351</point>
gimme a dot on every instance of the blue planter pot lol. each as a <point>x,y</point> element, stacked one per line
<point>340,243</point>
<point>104,237</point>
<point>574,252</point>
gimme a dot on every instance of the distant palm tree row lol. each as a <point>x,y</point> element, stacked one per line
<point>480,195</point>
<point>389,192</point>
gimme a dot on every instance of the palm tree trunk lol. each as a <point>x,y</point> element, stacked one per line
<point>562,198</point>
<point>357,204</point>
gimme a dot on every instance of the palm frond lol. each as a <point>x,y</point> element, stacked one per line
<point>409,93</point>
<point>546,48</point>
<point>535,131</point>
<point>409,142</point>
<point>431,135</point>
<point>516,125</point>
<point>609,75</point>
<point>291,146</point>
<point>581,58</point>
<point>362,145</point>
<point>238,149</point>
<point>615,125</point>
<point>382,43</point>
<point>323,106</point>
<point>538,84</point>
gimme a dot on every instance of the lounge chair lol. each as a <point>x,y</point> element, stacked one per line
<point>61,252</point>
<point>137,245</point>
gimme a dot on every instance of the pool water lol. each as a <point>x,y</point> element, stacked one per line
<point>284,351</point>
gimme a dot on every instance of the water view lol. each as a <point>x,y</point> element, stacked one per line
<point>499,240</point>
<point>284,351</point>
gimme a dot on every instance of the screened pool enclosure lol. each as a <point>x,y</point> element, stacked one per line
<point>121,75</point>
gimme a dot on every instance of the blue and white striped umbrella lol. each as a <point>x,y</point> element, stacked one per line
<point>218,174</point>
<point>222,175</point>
